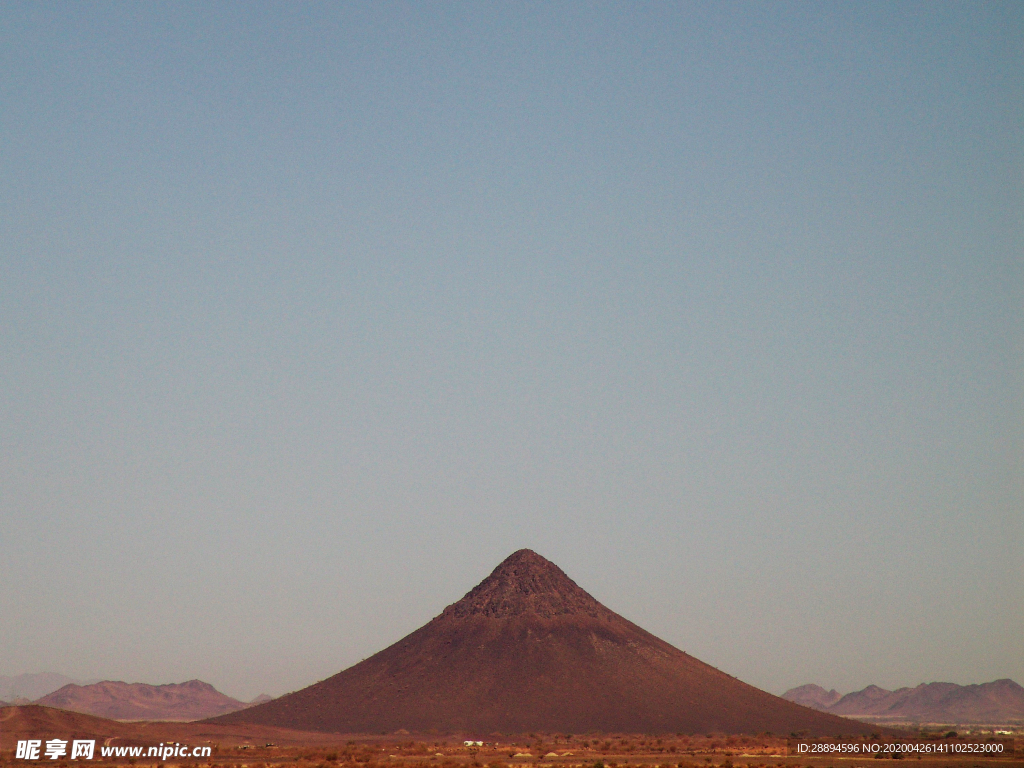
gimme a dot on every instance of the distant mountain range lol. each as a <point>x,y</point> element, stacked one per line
<point>29,687</point>
<point>1001,701</point>
<point>193,700</point>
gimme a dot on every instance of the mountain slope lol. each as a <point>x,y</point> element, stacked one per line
<point>525,650</point>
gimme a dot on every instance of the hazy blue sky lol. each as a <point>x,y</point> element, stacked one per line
<point>311,314</point>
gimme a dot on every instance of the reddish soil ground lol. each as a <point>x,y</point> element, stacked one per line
<point>262,747</point>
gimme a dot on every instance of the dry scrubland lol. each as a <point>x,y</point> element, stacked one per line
<point>564,751</point>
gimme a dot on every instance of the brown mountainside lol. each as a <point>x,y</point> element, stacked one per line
<point>193,700</point>
<point>525,650</point>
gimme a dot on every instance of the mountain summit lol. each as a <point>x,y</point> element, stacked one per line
<point>529,650</point>
<point>526,583</point>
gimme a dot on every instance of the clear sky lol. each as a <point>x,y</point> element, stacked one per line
<point>310,314</point>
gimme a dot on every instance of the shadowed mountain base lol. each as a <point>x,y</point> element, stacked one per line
<point>528,650</point>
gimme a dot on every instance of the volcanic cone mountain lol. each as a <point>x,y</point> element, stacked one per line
<point>528,650</point>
